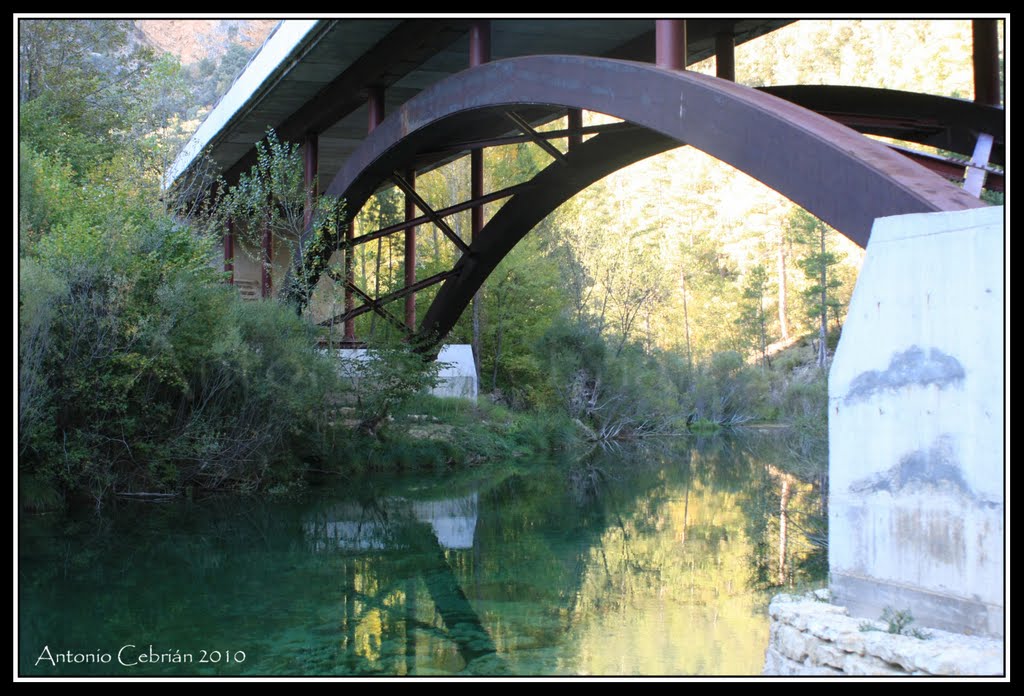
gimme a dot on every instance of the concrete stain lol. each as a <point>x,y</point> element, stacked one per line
<point>910,367</point>
<point>934,469</point>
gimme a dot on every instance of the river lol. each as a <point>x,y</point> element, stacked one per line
<point>653,561</point>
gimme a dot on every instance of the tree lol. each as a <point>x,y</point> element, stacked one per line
<point>273,198</point>
<point>753,318</point>
<point>820,295</point>
<point>79,84</point>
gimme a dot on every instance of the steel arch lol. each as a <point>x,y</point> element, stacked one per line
<point>839,175</point>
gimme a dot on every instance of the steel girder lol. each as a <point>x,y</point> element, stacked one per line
<point>836,173</point>
<point>927,119</point>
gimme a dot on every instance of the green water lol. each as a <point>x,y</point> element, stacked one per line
<point>644,562</point>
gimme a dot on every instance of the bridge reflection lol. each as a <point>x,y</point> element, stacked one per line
<point>424,529</point>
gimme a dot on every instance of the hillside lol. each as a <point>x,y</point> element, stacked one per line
<point>192,40</point>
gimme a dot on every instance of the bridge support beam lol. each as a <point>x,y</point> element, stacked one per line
<point>725,56</point>
<point>311,164</point>
<point>670,43</point>
<point>479,53</point>
<point>574,126</point>
<point>375,114</point>
<point>916,477</point>
<point>410,255</point>
<point>985,55</point>
<point>350,279</point>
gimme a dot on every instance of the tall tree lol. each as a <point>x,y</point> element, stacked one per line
<point>817,264</point>
<point>753,314</point>
<point>79,83</point>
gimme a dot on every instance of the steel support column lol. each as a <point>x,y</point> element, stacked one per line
<point>479,53</point>
<point>350,279</point>
<point>725,56</point>
<point>375,114</point>
<point>986,61</point>
<point>410,254</point>
<point>575,123</point>
<point>480,43</point>
<point>229,252</point>
<point>670,43</point>
<point>985,56</point>
<point>374,108</point>
<point>310,161</point>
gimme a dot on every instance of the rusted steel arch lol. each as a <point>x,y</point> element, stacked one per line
<point>845,179</point>
<point>926,119</point>
<point>840,176</point>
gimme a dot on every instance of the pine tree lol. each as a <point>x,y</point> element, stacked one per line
<point>820,295</point>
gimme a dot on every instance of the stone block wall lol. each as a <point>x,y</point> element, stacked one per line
<point>811,637</point>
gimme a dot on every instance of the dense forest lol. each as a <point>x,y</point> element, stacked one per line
<point>676,294</point>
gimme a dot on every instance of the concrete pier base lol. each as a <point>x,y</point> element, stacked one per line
<point>916,393</point>
<point>456,378</point>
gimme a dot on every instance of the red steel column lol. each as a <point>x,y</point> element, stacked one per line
<point>725,56</point>
<point>670,43</point>
<point>229,252</point>
<point>374,108</point>
<point>310,160</point>
<point>985,55</point>
<point>986,61</point>
<point>410,254</point>
<point>375,114</point>
<point>575,123</point>
<point>350,279</point>
<point>479,53</point>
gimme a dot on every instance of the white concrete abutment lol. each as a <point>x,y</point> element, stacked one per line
<point>916,427</point>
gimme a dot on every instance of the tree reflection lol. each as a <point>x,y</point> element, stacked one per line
<point>628,561</point>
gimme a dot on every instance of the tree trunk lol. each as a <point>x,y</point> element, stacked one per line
<point>764,332</point>
<point>783,325</point>
<point>476,336</point>
<point>376,284</point>
<point>823,333</point>
<point>686,322</point>
<point>497,351</point>
<point>783,530</point>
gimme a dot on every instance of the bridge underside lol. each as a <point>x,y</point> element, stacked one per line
<point>830,169</point>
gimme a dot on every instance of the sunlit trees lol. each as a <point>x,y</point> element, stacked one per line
<point>817,263</point>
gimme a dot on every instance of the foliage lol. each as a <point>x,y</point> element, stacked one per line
<point>726,391</point>
<point>381,378</point>
<point>753,320</point>
<point>274,198</point>
<point>817,263</point>
<point>138,368</point>
<point>80,87</point>
<point>898,623</point>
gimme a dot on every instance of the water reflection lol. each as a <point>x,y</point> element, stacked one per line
<point>378,524</point>
<point>650,561</point>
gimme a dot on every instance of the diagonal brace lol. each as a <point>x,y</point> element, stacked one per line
<point>386,299</point>
<point>408,189</point>
<point>536,137</point>
<point>443,212</point>
<point>368,302</point>
<point>974,179</point>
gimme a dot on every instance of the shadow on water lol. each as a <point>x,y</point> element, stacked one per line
<point>639,560</point>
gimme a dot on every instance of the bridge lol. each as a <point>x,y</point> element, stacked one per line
<point>330,83</point>
<point>378,102</point>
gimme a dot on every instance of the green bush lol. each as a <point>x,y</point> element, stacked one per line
<point>138,368</point>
